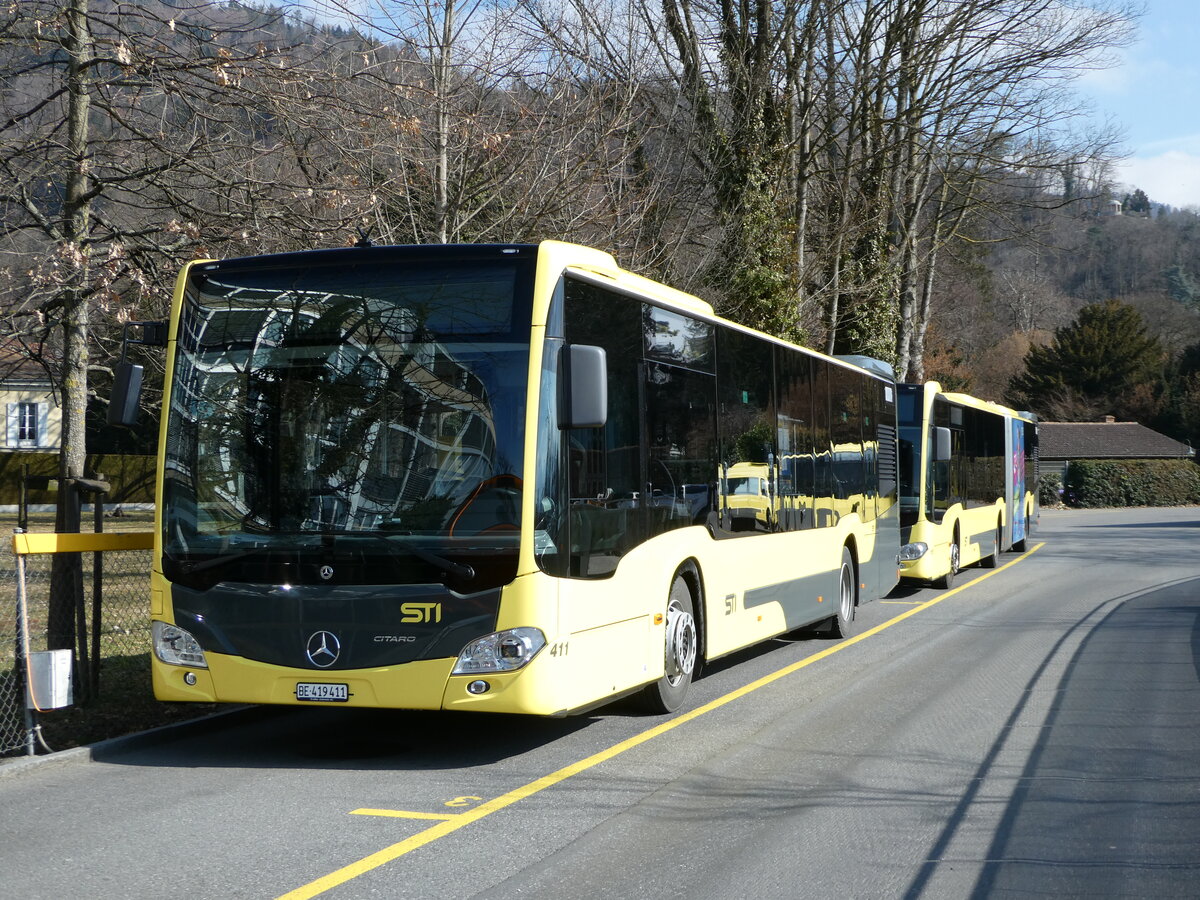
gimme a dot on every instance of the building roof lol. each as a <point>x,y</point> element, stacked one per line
<point>1106,440</point>
<point>18,369</point>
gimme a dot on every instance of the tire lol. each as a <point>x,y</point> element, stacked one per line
<point>1020,546</point>
<point>845,623</point>
<point>990,562</point>
<point>679,652</point>
<point>947,580</point>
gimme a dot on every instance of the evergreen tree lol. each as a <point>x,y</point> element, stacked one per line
<point>1136,204</point>
<point>1103,362</point>
<point>1183,286</point>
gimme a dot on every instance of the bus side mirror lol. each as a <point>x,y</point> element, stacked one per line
<point>941,439</point>
<point>127,391</point>
<point>127,377</point>
<point>583,387</point>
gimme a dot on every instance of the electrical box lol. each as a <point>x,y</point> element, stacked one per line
<point>49,679</point>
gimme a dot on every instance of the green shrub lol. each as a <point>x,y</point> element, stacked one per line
<point>1050,489</point>
<point>1107,482</point>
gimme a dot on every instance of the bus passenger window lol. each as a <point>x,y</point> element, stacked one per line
<point>681,428</point>
<point>748,496</point>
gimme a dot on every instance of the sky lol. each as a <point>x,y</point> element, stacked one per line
<point>1154,94</point>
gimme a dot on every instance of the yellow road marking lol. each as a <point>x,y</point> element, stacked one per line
<point>452,824</point>
<point>404,814</point>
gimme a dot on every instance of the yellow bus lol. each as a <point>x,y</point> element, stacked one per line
<point>968,481</point>
<point>496,478</point>
<point>745,490</point>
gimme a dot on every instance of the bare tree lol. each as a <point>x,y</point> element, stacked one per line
<point>985,95</point>
<point>1029,297</point>
<point>483,125</point>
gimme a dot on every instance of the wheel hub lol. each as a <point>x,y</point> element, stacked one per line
<point>681,643</point>
<point>847,598</point>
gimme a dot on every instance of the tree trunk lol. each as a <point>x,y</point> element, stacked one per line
<point>803,55</point>
<point>441,92</point>
<point>916,365</point>
<point>66,580</point>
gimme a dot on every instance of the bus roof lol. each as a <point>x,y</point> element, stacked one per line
<point>586,261</point>
<point>558,256</point>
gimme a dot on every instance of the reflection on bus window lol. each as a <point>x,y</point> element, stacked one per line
<point>332,401</point>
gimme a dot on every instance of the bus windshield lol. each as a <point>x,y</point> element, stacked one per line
<point>752,486</point>
<point>908,414</point>
<point>374,409</point>
<point>910,465</point>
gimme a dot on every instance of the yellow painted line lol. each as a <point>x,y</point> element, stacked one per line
<point>434,832</point>
<point>25,544</point>
<point>403,814</point>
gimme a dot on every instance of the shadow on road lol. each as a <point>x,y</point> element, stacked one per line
<point>1101,795</point>
<point>361,739</point>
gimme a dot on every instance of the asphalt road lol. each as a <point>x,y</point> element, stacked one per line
<point>1033,732</point>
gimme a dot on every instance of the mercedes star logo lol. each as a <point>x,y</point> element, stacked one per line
<point>326,572</point>
<point>323,649</point>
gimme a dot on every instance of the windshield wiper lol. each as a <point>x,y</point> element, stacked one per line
<point>449,566</point>
<point>204,564</point>
<point>459,570</point>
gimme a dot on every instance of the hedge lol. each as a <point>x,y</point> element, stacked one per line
<point>131,477</point>
<point>1108,482</point>
<point>1050,489</point>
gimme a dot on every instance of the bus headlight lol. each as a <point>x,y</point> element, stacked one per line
<point>914,551</point>
<point>176,647</point>
<point>503,651</point>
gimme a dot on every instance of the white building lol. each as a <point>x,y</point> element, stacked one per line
<point>33,416</point>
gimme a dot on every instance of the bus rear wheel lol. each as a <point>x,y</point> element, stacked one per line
<point>990,562</point>
<point>1021,545</point>
<point>679,652</point>
<point>947,580</point>
<point>845,623</point>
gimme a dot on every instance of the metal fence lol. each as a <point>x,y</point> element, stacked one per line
<point>113,617</point>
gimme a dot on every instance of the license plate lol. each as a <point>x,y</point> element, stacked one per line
<point>322,692</point>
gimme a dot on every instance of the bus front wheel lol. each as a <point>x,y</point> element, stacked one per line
<point>679,652</point>
<point>845,623</point>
